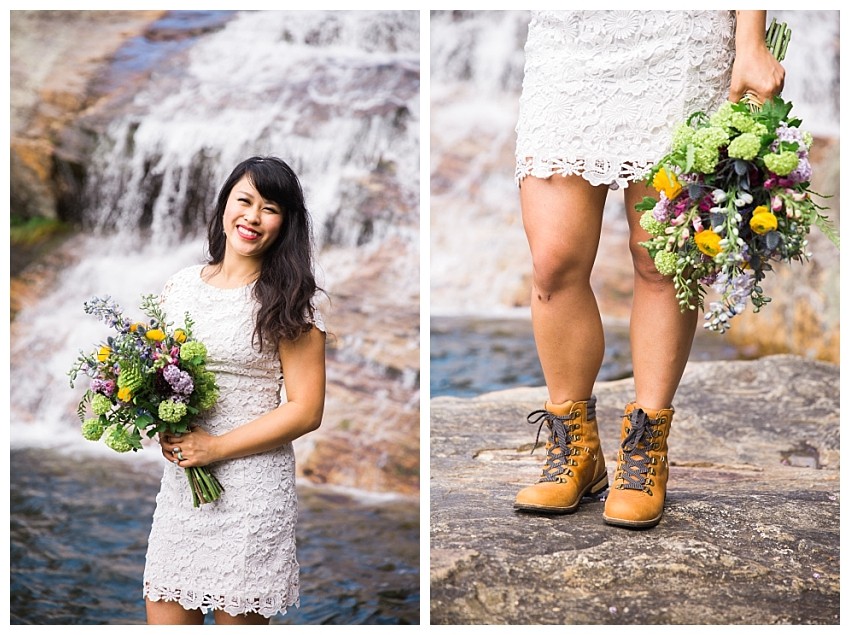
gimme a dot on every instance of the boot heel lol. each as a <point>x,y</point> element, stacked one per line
<point>599,486</point>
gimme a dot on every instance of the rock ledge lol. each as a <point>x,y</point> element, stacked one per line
<point>750,533</point>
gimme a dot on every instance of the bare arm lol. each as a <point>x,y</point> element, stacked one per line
<point>303,363</point>
<point>755,70</point>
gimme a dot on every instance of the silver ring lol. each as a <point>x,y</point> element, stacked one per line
<point>179,454</point>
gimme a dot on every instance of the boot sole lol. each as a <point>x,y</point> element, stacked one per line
<point>591,490</point>
<point>632,524</point>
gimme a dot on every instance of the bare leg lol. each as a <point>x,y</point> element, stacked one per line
<point>172,613</point>
<point>246,618</point>
<point>661,335</point>
<point>562,217</point>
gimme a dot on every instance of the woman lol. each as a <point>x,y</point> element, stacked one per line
<point>602,93</point>
<point>252,307</point>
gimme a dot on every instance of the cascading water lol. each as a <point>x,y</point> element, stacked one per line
<point>333,93</point>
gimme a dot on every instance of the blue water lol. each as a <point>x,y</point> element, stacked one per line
<point>174,32</point>
<point>79,533</point>
<point>475,355</point>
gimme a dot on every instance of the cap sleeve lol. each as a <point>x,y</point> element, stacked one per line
<point>319,320</point>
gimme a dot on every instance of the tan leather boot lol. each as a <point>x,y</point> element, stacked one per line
<point>637,496</point>
<point>574,465</point>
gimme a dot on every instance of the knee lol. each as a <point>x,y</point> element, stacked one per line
<point>644,266</point>
<point>556,272</point>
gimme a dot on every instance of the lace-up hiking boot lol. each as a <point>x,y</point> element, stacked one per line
<point>637,496</point>
<point>574,464</point>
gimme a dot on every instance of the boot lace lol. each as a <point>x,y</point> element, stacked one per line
<point>559,439</point>
<point>636,468</point>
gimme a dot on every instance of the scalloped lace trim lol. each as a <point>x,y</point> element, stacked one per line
<point>597,172</point>
<point>267,605</point>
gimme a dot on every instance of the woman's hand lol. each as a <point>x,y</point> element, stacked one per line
<point>197,447</point>
<point>755,70</point>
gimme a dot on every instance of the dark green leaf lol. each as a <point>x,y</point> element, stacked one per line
<point>646,204</point>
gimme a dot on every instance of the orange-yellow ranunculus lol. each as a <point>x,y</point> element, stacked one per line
<point>124,394</point>
<point>763,221</point>
<point>180,335</point>
<point>103,353</point>
<point>666,182</point>
<point>708,242</point>
<point>157,335</point>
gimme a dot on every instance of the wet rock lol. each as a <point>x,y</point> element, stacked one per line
<point>747,536</point>
<point>51,71</point>
<point>370,432</point>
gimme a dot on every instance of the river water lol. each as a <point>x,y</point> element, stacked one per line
<point>79,531</point>
<point>336,95</point>
<point>472,355</point>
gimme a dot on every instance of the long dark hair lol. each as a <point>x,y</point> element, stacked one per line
<point>286,284</point>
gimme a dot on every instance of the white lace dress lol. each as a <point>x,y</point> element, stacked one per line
<point>238,553</point>
<point>603,90</point>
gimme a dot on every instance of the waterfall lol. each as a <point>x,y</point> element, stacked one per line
<point>335,94</point>
<point>479,255</point>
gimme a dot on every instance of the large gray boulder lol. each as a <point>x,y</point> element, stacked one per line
<point>750,533</point>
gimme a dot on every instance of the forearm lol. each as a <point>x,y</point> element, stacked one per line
<point>749,31</point>
<point>755,72</point>
<point>278,427</point>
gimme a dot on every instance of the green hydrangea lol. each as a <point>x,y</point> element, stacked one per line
<point>682,136</point>
<point>131,378</point>
<point>117,439</point>
<point>207,390</point>
<point>740,121</point>
<point>194,352</point>
<point>172,411</point>
<point>711,137</point>
<point>722,118</point>
<point>707,141</point>
<point>808,139</point>
<point>92,429</point>
<point>648,222</point>
<point>705,160</point>
<point>758,129</point>
<point>745,146</point>
<point>781,164</point>
<point>100,404</point>
<point>665,262</point>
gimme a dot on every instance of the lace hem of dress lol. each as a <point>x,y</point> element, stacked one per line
<point>233,605</point>
<point>595,171</point>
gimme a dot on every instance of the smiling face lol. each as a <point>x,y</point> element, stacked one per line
<point>251,223</point>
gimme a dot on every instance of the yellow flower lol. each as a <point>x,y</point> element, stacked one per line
<point>156,335</point>
<point>667,182</point>
<point>180,335</point>
<point>762,221</point>
<point>103,353</point>
<point>135,326</point>
<point>708,242</point>
<point>124,394</point>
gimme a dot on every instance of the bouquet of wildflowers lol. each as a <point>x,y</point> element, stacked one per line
<point>734,197</point>
<point>146,378</point>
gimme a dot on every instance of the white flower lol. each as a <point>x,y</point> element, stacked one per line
<point>744,198</point>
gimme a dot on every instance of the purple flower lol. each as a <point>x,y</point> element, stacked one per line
<point>103,386</point>
<point>661,211</point>
<point>179,380</point>
<point>803,171</point>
